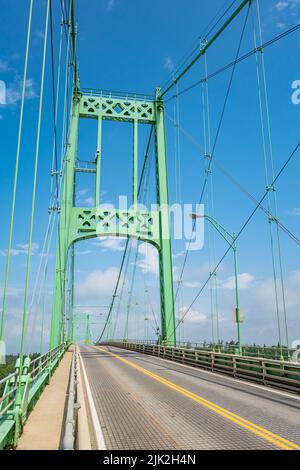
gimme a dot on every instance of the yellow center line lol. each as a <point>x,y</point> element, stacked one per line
<point>244,423</point>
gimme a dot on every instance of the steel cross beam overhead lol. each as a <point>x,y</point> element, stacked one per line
<point>84,223</point>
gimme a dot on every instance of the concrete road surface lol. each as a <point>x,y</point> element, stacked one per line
<point>144,402</point>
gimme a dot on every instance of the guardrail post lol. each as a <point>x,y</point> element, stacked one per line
<point>49,366</point>
<point>264,372</point>
<point>234,366</point>
<point>21,403</point>
<point>68,442</point>
<point>212,361</point>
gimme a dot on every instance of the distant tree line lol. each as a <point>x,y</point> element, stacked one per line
<point>8,368</point>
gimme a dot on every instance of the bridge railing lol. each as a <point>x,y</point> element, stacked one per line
<point>8,397</point>
<point>20,390</point>
<point>268,352</point>
<point>270,372</point>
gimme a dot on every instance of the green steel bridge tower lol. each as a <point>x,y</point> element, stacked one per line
<point>76,224</point>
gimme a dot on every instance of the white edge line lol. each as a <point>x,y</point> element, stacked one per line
<point>97,428</point>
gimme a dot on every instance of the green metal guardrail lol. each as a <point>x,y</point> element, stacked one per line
<point>279,374</point>
<point>267,352</point>
<point>19,394</point>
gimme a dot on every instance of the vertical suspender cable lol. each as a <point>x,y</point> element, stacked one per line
<point>34,187</point>
<point>143,199</point>
<point>122,292</point>
<point>207,150</point>
<point>266,130</point>
<point>216,139</point>
<point>217,135</point>
<point>210,196</point>
<point>178,188</point>
<point>52,209</point>
<point>12,216</point>
<point>52,202</point>
<point>272,178</point>
<point>127,241</point>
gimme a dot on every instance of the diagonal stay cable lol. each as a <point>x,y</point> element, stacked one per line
<point>214,146</point>
<point>245,224</point>
<point>237,183</point>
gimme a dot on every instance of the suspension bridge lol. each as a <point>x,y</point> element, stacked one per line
<point>129,374</point>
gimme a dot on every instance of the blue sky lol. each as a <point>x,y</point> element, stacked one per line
<point>134,46</point>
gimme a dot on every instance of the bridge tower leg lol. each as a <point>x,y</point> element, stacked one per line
<point>67,202</point>
<point>168,335</point>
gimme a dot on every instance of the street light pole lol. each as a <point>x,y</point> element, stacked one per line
<point>237,310</point>
<point>146,329</point>
<point>232,243</point>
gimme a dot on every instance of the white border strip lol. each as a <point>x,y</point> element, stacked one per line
<point>97,428</point>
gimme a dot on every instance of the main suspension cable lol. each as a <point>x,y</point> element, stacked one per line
<point>237,61</point>
<point>204,35</point>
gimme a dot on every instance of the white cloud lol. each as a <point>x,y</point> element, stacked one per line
<point>84,252</point>
<point>4,67</point>
<point>245,281</point>
<point>191,285</point>
<point>294,212</point>
<point>97,284</point>
<point>89,202</point>
<point>149,263</point>
<point>112,243</point>
<point>111,5</point>
<point>22,249</point>
<point>39,34</point>
<point>193,315</point>
<point>178,255</point>
<point>169,64</point>
<point>14,91</point>
<point>282,5</point>
<point>83,192</point>
<point>286,8</point>
<point>264,293</point>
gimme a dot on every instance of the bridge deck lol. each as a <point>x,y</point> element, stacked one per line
<point>45,425</point>
<point>144,402</point>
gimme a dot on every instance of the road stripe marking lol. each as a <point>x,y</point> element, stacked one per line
<point>263,388</point>
<point>244,423</point>
<point>97,428</point>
